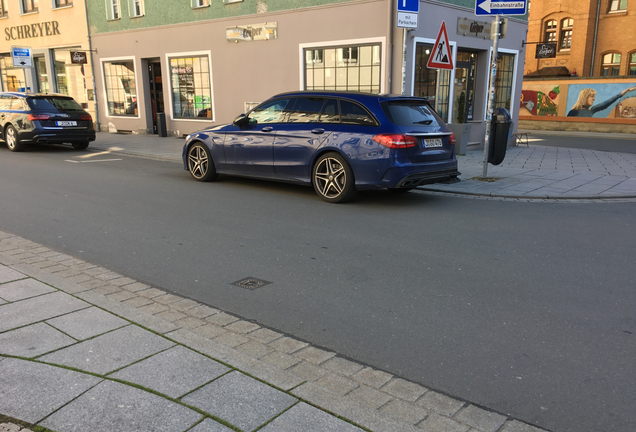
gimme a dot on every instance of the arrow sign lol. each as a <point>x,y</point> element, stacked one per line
<point>489,7</point>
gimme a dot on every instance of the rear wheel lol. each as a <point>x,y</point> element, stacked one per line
<point>333,179</point>
<point>200,163</point>
<point>80,145</point>
<point>12,140</point>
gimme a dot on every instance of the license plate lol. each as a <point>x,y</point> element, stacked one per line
<point>66,123</point>
<point>435,142</point>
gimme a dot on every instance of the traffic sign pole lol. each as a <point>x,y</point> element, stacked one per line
<point>491,98</point>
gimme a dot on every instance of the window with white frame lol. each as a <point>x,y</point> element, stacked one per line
<point>29,6</point>
<point>550,31</point>
<point>62,3</point>
<point>566,34</point>
<point>121,88</point>
<point>3,8</point>
<point>611,64</point>
<point>199,3</point>
<point>353,67</point>
<point>136,8</point>
<point>113,10</point>
<point>504,80</point>
<point>617,6</point>
<point>191,87</point>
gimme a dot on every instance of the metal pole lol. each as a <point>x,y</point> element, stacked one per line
<point>491,97</point>
<point>404,60</point>
<point>90,51</point>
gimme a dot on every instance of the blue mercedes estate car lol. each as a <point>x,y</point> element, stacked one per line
<point>339,142</point>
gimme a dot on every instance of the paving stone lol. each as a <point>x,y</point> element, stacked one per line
<point>210,330</point>
<point>154,308</point>
<point>93,283</point>
<point>337,383</point>
<point>370,396</point>
<point>173,372</point>
<point>106,289</point>
<point>110,351</point>
<point>136,287</point>
<point>138,301</point>
<point>517,426</point>
<point>112,406</point>
<point>28,311</point>
<point>242,327</point>
<point>30,391</point>
<point>342,366</point>
<point>121,296</point>
<point>264,335</point>
<point>314,355</point>
<point>80,278</point>
<point>404,389</point>
<point>288,345</point>
<point>305,418</point>
<point>439,403</point>
<point>171,315</point>
<point>190,322</point>
<point>231,339</point>
<point>87,323</point>
<point>95,271</point>
<point>8,274</point>
<point>404,411</point>
<point>33,340</point>
<point>108,276</point>
<point>280,359</point>
<point>480,419</point>
<point>240,400</point>
<point>23,289</point>
<point>221,318</point>
<point>121,282</point>
<point>151,293</point>
<point>438,423</point>
<point>184,305</point>
<point>167,299</point>
<point>68,273</point>
<point>202,311</point>
<point>371,377</point>
<point>209,425</point>
<point>308,371</point>
<point>254,349</point>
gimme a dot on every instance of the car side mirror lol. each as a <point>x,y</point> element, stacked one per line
<point>241,120</point>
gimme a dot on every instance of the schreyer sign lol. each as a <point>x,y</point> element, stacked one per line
<point>28,31</point>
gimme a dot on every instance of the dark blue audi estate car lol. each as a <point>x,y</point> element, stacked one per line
<point>339,142</point>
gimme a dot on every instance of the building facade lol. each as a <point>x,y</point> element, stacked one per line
<point>56,32</point>
<point>199,62</point>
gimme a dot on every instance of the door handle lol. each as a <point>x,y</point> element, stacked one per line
<point>267,129</point>
<point>317,131</point>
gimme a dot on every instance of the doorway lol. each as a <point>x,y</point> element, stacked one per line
<point>156,92</point>
<point>464,92</point>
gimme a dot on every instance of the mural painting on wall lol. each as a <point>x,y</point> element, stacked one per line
<point>602,101</point>
<point>541,103</point>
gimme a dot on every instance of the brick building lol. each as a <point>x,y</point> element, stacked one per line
<point>594,38</point>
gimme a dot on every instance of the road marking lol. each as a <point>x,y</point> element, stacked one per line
<point>87,161</point>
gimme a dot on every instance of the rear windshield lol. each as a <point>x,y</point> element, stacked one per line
<point>55,103</point>
<point>411,113</point>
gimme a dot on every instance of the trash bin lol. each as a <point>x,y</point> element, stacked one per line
<point>161,125</point>
<point>499,135</point>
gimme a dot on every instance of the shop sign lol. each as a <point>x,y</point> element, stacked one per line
<point>469,27</point>
<point>254,32</point>
<point>78,57</point>
<point>28,31</point>
<point>545,50</point>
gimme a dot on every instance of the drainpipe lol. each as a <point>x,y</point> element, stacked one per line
<point>389,47</point>
<point>90,50</point>
<point>598,13</point>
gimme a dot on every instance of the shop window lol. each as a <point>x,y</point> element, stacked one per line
<point>632,64</point>
<point>432,84</point>
<point>63,3</point>
<point>503,80</point>
<point>550,31</point>
<point>3,8</point>
<point>12,77</point>
<point>566,34</point>
<point>191,90</point>
<point>113,10</point>
<point>200,3</point>
<point>121,88</point>
<point>611,64</point>
<point>69,77</point>
<point>617,6</point>
<point>353,68</point>
<point>29,6</point>
<point>136,8</point>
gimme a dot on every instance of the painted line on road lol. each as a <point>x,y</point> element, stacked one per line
<point>87,161</point>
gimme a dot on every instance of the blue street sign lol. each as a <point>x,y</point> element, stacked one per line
<point>499,7</point>
<point>412,6</point>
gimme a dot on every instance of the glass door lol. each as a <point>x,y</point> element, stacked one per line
<point>156,92</point>
<point>464,92</point>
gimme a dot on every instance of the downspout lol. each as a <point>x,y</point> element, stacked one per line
<point>389,47</point>
<point>90,50</point>
<point>598,13</point>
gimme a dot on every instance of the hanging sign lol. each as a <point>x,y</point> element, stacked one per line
<point>545,50</point>
<point>78,57</point>
<point>441,57</point>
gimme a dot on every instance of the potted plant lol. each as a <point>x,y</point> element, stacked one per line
<point>460,128</point>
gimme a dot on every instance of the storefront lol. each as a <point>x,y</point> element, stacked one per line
<point>57,35</point>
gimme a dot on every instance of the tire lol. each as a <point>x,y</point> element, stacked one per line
<point>333,179</point>
<point>200,163</point>
<point>12,140</point>
<point>80,145</point>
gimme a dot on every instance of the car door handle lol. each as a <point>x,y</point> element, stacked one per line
<point>317,131</point>
<point>267,129</point>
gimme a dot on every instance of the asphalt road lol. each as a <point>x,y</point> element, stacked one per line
<point>524,308</point>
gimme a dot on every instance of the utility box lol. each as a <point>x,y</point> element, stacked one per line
<point>499,135</point>
<point>162,130</point>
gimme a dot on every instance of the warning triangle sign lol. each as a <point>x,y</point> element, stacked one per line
<point>441,57</point>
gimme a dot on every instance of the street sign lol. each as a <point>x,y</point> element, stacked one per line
<point>407,11</point>
<point>488,7</point>
<point>22,57</point>
<point>441,57</point>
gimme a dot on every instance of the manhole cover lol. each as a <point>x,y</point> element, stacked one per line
<point>250,283</point>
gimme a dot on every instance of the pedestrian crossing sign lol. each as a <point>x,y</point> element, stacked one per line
<point>441,57</point>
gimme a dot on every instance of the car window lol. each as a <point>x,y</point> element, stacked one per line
<point>269,112</point>
<point>5,103</point>
<point>55,103</point>
<point>330,112</point>
<point>353,113</point>
<point>306,110</point>
<point>16,104</point>
<point>411,113</point>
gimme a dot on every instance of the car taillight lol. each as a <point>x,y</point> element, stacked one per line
<point>86,117</point>
<point>452,140</point>
<point>31,117</point>
<point>395,140</point>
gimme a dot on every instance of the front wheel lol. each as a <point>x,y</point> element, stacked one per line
<point>12,140</point>
<point>200,163</point>
<point>333,179</point>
